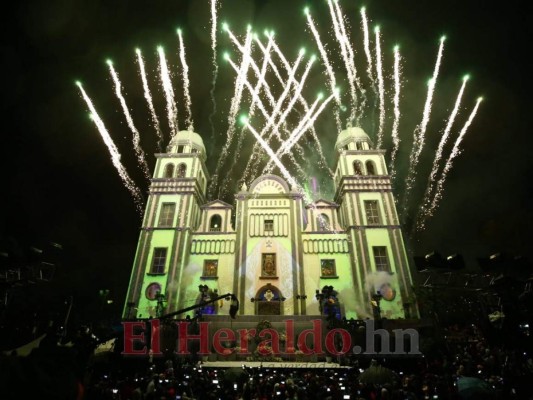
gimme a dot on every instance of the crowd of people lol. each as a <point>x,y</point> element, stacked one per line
<point>467,368</point>
<point>465,365</point>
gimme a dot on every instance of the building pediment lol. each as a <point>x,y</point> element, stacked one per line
<point>216,204</point>
<point>321,203</point>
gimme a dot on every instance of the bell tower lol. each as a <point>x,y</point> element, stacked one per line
<point>368,214</point>
<point>172,212</point>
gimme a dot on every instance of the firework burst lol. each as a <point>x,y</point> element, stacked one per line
<point>279,130</point>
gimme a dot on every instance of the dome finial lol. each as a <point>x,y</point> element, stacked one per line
<point>349,124</point>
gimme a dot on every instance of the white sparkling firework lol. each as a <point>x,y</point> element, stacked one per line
<point>148,97</point>
<point>366,45</point>
<point>316,141</point>
<point>172,110</point>
<point>276,110</point>
<point>141,158</point>
<point>307,121</point>
<point>396,123</point>
<point>449,164</point>
<point>186,84</point>
<point>351,58</point>
<point>261,82</point>
<point>420,132</point>
<point>272,126</point>
<point>381,88</point>
<point>214,9</point>
<point>113,151</point>
<point>288,177</point>
<point>296,94</point>
<point>286,89</point>
<point>327,64</point>
<point>261,76</point>
<point>234,109</point>
<point>276,161</point>
<point>438,155</point>
<point>277,106</point>
<point>346,58</point>
<point>254,92</point>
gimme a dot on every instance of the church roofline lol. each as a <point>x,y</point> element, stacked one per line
<point>328,202</point>
<point>269,176</point>
<point>211,203</point>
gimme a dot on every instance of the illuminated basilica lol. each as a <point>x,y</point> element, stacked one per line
<point>342,256</point>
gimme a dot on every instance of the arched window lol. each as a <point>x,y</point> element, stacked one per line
<point>322,222</point>
<point>169,170</point>
<point>357,168</point>
<point>182,170</point>
<point>370,168</point>
<point>215,223</point>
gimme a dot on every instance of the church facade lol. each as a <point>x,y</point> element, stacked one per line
<point>278,255</point>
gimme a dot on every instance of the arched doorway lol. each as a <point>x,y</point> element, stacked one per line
<point>269,301</point>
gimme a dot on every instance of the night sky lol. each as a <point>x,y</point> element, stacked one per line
<point>59,183</point>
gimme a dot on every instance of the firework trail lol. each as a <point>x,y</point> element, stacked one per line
<point>366,45</point>
<point>439,190</point>
<point>296,95</point>
<point>214,7</point>
<point>276,112</point>
<point>265,50</point>
<point>261,76</point>
<point>329,69</point>
<point>251,166</point>
<point>115,155</point>
<point>255,98</point>
<point>186,84</point>
<point>287,144</point>
<point>438,155</point>
<point>300,129</point>
<point>234,109</point>
<point>148,97</point>
<point>306,122</point>
<point>136,137</point>
<point>420,131</point>
<point>396,101</point>
<point>351,59</point>
<point>346,58</point>
<point>172,110</point>
<point>316,141</point>
<point>381,87</point>
<point>293,183</point>
<point>261,82</point>
<point>275,159</point>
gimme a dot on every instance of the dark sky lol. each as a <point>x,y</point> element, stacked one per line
<point>58,180</point>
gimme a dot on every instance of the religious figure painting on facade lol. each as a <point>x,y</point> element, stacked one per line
<point>210,268</point>
<point>328,267</point>
<point>268,264</point>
